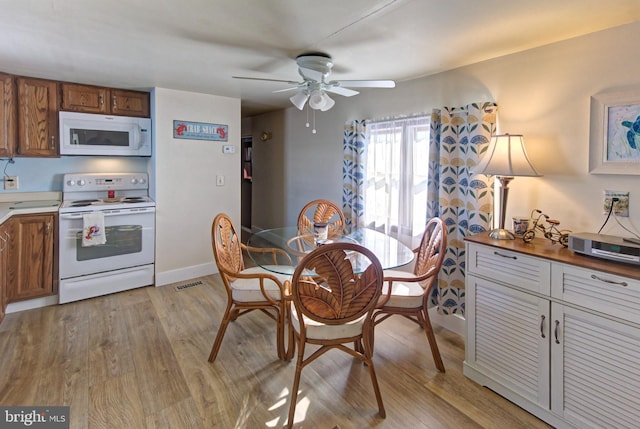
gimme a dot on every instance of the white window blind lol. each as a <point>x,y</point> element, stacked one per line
<point>396,166</point>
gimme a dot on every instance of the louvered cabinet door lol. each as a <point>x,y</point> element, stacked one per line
<point>595,369</point>
<point>508,338</point>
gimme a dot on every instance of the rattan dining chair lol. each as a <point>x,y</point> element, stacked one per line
<point>407,294</point>
<point>321,211</point>
<point>247,289</point>
<point>333,307</point>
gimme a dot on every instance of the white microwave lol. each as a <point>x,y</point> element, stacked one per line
<point>93,134</point>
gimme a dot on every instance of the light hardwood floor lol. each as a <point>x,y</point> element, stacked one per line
<point>138,359</point>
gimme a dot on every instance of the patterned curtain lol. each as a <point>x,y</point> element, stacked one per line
<point>353,173</point>
<point>459,137</point>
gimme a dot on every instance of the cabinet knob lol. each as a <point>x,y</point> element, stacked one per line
<point>53,142</point>
<point>114,102</point>
<point>101,99</point>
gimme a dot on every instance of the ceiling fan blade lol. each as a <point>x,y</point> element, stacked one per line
<point>286,89</point>
<point>311,74</point>
<point>342,91</point>
<point>365,83</point>
<point>268,80</point>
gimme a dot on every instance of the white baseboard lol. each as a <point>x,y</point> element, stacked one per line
<point>29,304</point>
<point>453,322</point>
<point>187,273</point>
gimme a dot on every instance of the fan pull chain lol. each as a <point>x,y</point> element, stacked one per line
<point>314,122</point>
<point>307,124</point>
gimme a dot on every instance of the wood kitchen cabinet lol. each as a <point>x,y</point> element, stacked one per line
<point>556,333</point>
<point>30,256</point>
<point>95,99</point>
<point>38,106</point>
<point>8,110</point>
<point>4,246</point>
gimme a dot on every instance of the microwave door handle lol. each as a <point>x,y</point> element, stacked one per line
<point>138,137</point>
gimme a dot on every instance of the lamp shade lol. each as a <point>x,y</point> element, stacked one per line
<point>299,99</point>
<point>506,156</point>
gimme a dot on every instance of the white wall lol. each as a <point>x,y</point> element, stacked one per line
<point>543,93</point>
<point>185,182</point>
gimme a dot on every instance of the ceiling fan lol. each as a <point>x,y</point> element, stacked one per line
<point>315,69</point>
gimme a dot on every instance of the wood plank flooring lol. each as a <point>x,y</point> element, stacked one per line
<point>138,359</point>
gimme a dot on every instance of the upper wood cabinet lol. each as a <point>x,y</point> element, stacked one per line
<point>38,106</point>
<point>8,110</point>
<point>95,99</point>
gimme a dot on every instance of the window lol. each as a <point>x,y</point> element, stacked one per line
<point>396,165</point>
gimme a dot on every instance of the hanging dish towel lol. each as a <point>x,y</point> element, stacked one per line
<point>93,232</point>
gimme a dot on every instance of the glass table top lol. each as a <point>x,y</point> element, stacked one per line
<point>390,252</point>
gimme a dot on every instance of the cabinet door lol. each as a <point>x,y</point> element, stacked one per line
<point>8,120</point>
<point>30,273</point>
<point>4,245</point>
<point>85,98</point>
<point>129,103</point>
<point>595,376</point>
<point>37,117</point>
<point>508,338</point>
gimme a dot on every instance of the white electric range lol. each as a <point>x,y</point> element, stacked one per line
<point>126,217</point>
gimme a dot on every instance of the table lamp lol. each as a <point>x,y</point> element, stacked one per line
<point>505,158</point>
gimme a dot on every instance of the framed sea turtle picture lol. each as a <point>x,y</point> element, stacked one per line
<point>614,141</point>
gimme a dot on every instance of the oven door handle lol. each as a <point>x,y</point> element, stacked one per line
<point>110,213</point>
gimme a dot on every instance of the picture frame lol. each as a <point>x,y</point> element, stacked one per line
<point>614,139</point>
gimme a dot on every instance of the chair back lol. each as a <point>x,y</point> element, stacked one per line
<point>227,248</point>
<point>337,283</point>
<point>321,211</point>
<point>430,253</point>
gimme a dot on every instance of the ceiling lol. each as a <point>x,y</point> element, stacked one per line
<point>198,45</point>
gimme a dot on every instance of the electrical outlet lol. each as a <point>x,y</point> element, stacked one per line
<point>10,182</point>
<point>620,207</point>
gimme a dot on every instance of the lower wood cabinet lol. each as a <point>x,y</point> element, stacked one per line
<point>4,250</point>
<point>30,256</point>
<point>565,348</point>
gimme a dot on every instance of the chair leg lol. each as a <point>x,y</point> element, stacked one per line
<point>423,316</point>
<point>368,354</point>
<point>296,384</point>
<point>221,331</point>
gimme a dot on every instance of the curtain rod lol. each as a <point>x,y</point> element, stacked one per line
<point>395,118</point>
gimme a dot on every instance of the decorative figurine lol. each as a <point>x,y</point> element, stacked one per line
<point>550,231</point>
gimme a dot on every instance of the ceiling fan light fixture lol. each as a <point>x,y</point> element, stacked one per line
<point>316,99</point>
<point>299,99</point>
<point>328,103</point>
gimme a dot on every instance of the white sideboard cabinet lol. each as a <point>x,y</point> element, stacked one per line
<point>554,332</point>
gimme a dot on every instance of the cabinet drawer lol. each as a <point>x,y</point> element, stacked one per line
<point>513,268</point>
<point>606,293</point>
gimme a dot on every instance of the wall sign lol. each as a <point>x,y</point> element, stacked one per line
<point>200,131</point>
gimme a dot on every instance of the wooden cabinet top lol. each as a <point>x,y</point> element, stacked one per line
<point>543,248</point>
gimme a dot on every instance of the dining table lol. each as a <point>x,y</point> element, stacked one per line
<point>390,252</point>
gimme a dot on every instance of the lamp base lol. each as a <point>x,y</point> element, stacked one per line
<point>501,234</point>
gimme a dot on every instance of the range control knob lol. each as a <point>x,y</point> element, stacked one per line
<point>71,182</point>
<point>142,181</point>
<point>134,181</point>
<point>81,182</point>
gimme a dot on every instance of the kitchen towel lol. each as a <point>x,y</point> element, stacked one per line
<point>93,232</point>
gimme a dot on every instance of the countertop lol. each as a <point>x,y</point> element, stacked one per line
<point>27,203</point>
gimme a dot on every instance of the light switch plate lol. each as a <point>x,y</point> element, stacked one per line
<point>228,148</point>
<point>219,180</point>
